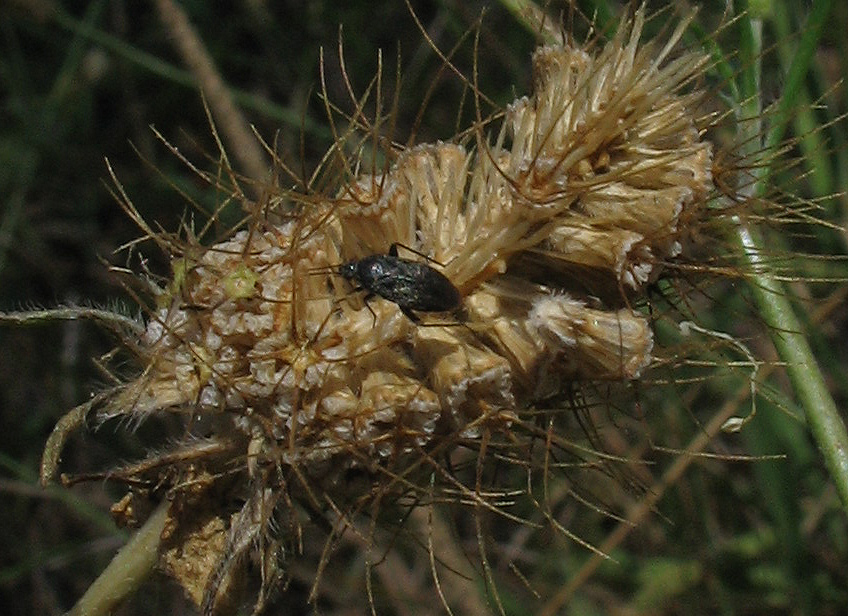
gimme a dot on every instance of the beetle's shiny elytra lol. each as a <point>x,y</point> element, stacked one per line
<point>412,285</point>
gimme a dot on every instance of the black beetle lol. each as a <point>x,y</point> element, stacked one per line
<point>409,284</point>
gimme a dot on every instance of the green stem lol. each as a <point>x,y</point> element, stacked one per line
<point>773,300</point>
<point>127,571</point>
<point>823,418</point>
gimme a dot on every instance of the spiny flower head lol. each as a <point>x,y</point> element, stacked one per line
<point>303,398</point>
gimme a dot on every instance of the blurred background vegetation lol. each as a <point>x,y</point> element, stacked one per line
<point>84,81</point>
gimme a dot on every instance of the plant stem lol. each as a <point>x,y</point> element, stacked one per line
<point>127,571</point>
<point>773,300</point>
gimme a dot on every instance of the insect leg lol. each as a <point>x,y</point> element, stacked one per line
<point>411,315</point>
<point>369,296</point>
<point>393,252</point>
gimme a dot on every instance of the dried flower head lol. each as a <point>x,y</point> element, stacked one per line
<point>311,403</point>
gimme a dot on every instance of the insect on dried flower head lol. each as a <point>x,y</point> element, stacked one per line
<point>325,409</point>
<point>307,413</point>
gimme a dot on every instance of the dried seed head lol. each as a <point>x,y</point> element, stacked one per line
<point>304,384</point>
